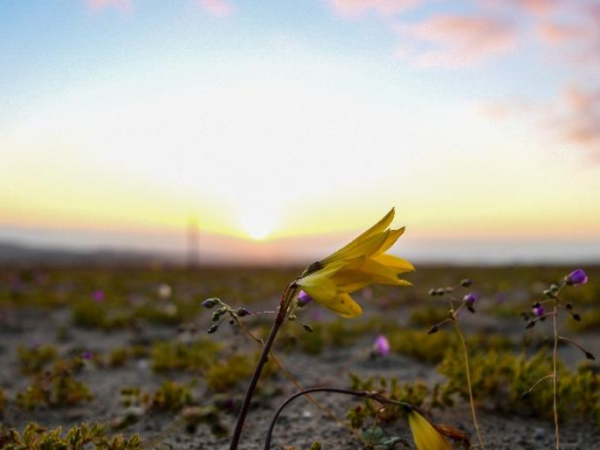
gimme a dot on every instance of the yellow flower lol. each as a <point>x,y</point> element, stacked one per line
<point>426,436</point>
<point>360,263</point>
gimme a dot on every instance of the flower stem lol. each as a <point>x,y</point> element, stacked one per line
<point>365,394</point>
<point>555,377</point>
<point>286,297</point>
<point>469,386</point>
<point>295,382</point>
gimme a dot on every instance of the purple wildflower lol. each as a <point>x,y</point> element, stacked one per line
<point>304,298</point>
<point>469,299</point>
<point>381,345</point>
<point>98,296</point>
<point>576,278</point>
<point>538,311</point>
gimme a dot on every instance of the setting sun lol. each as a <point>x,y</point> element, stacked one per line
<point>257,223</point>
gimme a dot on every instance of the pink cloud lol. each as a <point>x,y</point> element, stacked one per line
<point>555,33</point>
<point>537,7</point>
<point>459,40</point>
<point>218,8</point>
<point>580,123</point>
<point>384,8</point>
<point>97,5</point>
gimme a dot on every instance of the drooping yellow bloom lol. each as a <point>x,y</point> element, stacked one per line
<point>360,263</point>
<point>426,436</point>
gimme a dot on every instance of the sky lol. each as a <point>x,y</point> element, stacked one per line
<point>282,128</point>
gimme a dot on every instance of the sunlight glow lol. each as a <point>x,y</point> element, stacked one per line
<point>257,223</point>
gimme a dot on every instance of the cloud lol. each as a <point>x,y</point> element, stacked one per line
<point>454,41</point>
<point>97,5</point>
<point>218,8</point>
<point>580,121</point>
<point>555,33</point>
<point>537,7</point>
<point>384,8</point>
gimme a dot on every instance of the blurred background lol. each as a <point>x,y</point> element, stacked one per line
<point>229,132</point>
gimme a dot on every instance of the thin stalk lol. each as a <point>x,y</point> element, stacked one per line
<point>469,386</point>
<point>364,394</point>
<point>555,377</point>
<point>286,297</point>
<point>538,382</point>
<point>295,382</point>
<point>587,354</point>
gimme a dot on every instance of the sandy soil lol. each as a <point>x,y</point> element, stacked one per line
<point>300,425</point>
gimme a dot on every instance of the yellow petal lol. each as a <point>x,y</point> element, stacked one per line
<point>379,226</point>
<point>351,280</point>
<point>398,265</point>
<point>322,291</point>
<point>366,247</point>
<point>391,239</point>
<point>344,305</point>
<point>425,435</point>
<point>375,229</point>
<point>381,274</point>
<point>318,284</point>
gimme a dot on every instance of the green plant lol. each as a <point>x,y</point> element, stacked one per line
<point>198,356</point>
<point>58,387</point>
<point>36,437</point>
<point>501,377</point>
<point>419,345</point>
<point>33,360</point>
<point>558,304</point>
<point>414,393</point>
<point>223,376</point>
<point>171,396</point>
<point>119,356</point>
<point>455,307</point>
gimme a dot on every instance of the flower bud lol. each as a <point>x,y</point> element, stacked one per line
<point>210,303</point>
<point>304,298</point>
<point>307,328</point>
<point>576,278</point>
<point>469,299</point>
<point>433,329</point>
<point>242,312</point>
<point>213,329</point>
<point>538,311</point>
<point>466,283</point>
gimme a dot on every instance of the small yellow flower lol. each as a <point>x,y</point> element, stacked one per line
<point>360,263</point>
<point>426,436</point>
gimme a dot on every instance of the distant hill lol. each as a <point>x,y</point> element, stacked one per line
<point>17,254</point>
